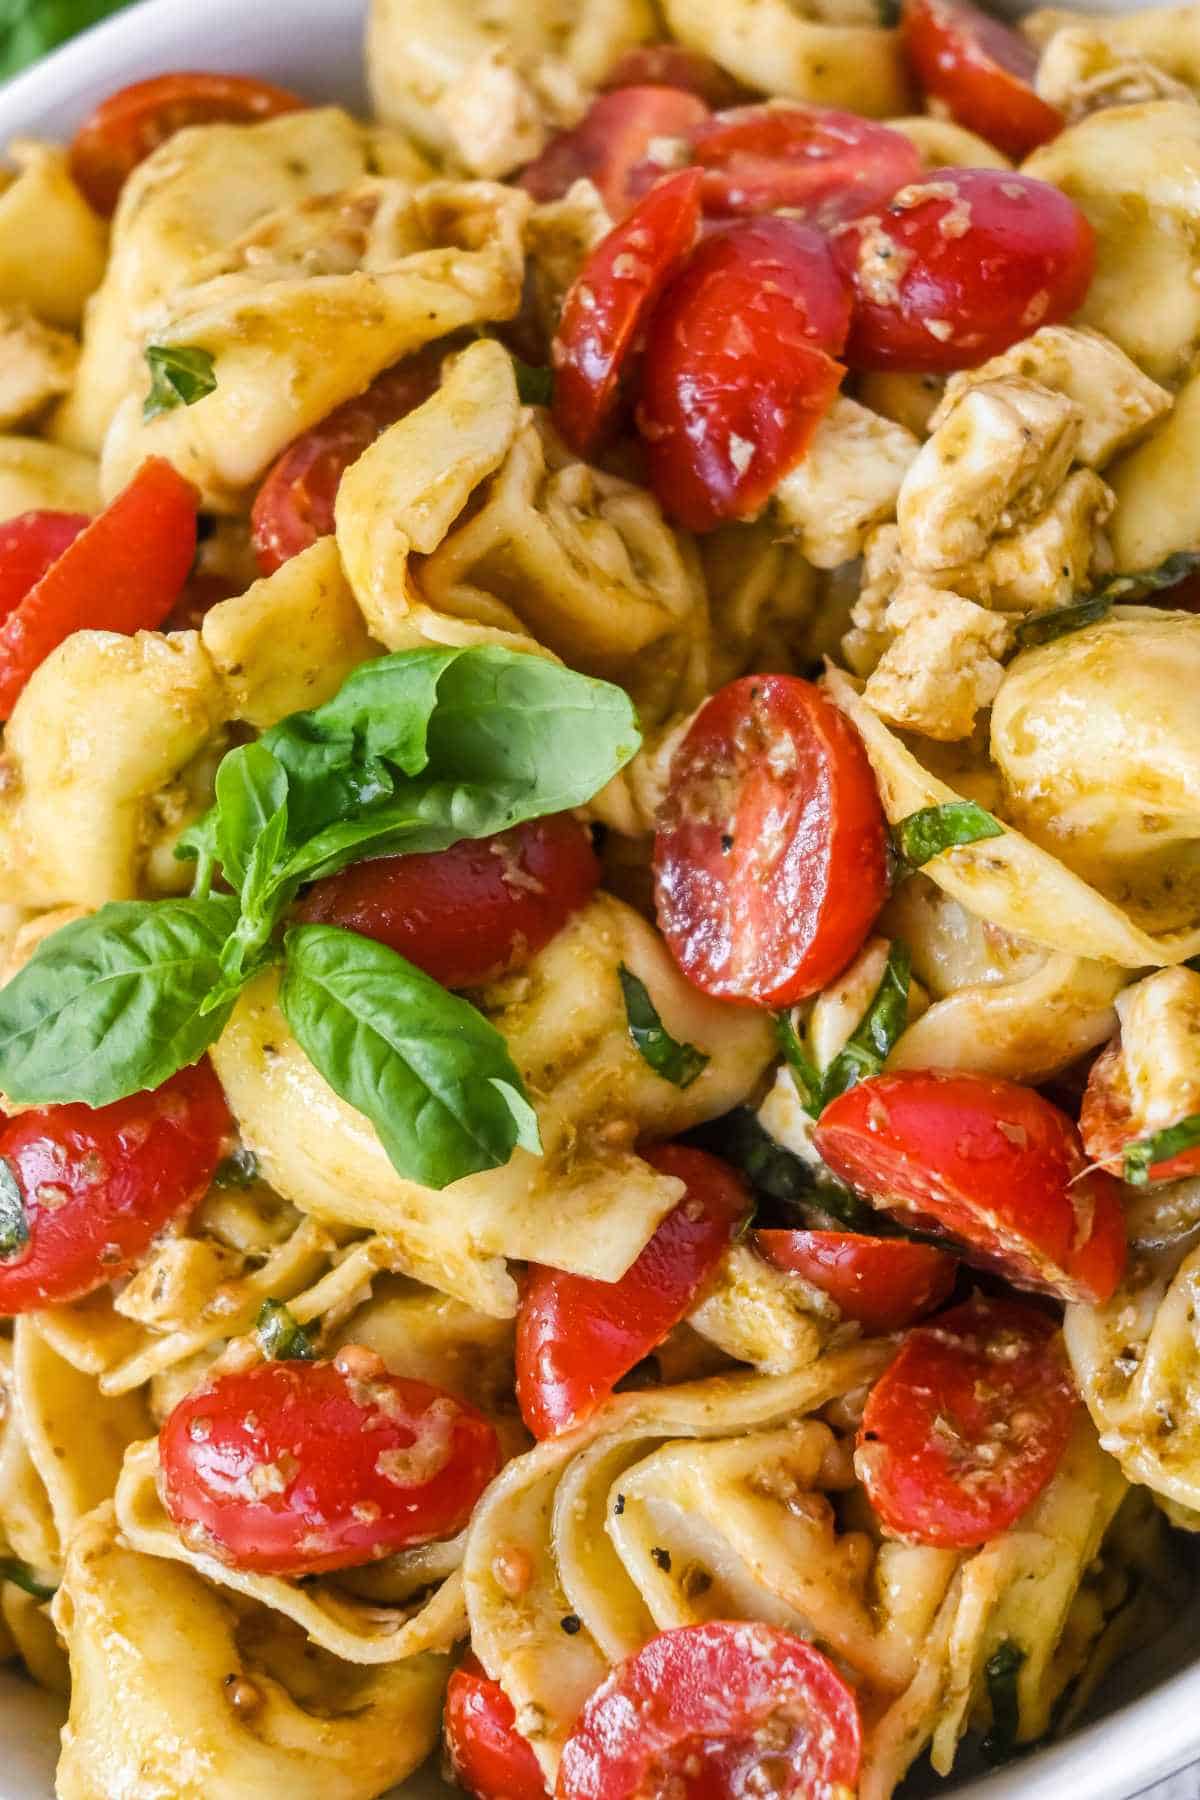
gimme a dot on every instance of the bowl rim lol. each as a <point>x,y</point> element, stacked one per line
<point>316,44</point>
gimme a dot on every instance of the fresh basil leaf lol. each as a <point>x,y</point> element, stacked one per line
<point>31,28</point>
<point>1141,1157</point>
<point>14,1225</point>
<point>178,377</point>
<point>112,1004</point>
<point>680,1064</point>
<point>22,1576</point>
<point>281,1338</point>
<point>926,834</point>
<point>251,842</point>
<point>199,844</point>
<point>433,1076</point>
<point>1167,574</point>
<point>873,1038</point>
<point>1060,621</point>
<point>1001,1671</point>
<point>239,1170</point>
<point>804,1071</point>
<point>535,386</point>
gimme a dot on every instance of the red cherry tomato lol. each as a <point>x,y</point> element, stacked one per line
<point>1108,1127</point>
<point>294,505</point>
<point>739,368</point>
<point>606,308</point>
<point>829,166</point>
<point>126,127</point>
<point>883,1283</point>
<point>488,1755</point>
<point>709,1711</point>
<point>123,572</point>
<point>29,545</point>
<point>576,1337</point>
<point>292,1468</point>
<point>981,71</point>
<point>611,142</point>
<point>98,1185</point>
<point>470,913</point>
<point>968,1424</point>
<point>771,855</point>
<point>990,1165</point>
<point>670,65</point>
<point>961,265</point>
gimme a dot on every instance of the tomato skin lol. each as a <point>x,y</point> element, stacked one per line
<point>294,506</point>
<point>283,1469</point>
<point>670,65</point>
<point>610,143</point>
<point>487,1753</point>
<point>739,368</point>
<point>982,72</point>
<point>770,858</point>
<point>830,166</point>
<point>576,1337</point>
<point>29,545</point>
<point>1107,1125</point>
<point>698,1711</point>
<point>473,912</point>
<point>99,1184</point>
<point>965,1428</point>
<point>989,1165</point>
<point>1015,254</point>
<point>883,1283</point>
<point>606,308</point>
<point>124,129</point>
<point>123,573</point>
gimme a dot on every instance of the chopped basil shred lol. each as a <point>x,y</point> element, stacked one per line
<point>22,1576</point>
<point>804,1071</point>
<point>239,1170</point>
<point>280,1337</point>
<point>871,1042</point>
<point>535,386</point>
<point>1141,1157</point>
<point>178,377</point>
<point>926,834</point>
<point>1045,627</point>
<point>680,1064</point>
<point>778,1175</point>
<point>1001,1671</point>
<point>14,1226</point>
<point>1166,574</point>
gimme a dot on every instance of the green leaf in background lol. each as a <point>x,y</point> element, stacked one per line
<point>281,1337</point>
<point>1001,1671</point>
<point>1141,1157</point>
<point>1060,621</point>
<point>112,1004</point>
<point>178,377</point>
<point>14,1226</point>
<point>804,1071</point>
<point>926,834</point>
<point>31,28</point>
<point>680,1064</point>
<point>433,1076</point>
<point>22,1576</point>
<point>873,1038</point>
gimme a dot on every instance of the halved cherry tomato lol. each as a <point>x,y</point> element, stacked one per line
<point>670,65</point>
<point>488,1755</point>
<point>470,913</point>
<point>988,1164</point>
<point>291,1468</point>
<point>827,166</point>
<point>29,545</point>
<point>129,125</point>
<point>1107,1124</point>
<point>576,1337</point>
<point>611,141</point>
<point>981,71</point>
<point>98,1184</point>
<point>607,306</point>
<point>739,368</point>
<point>294,505</point>
<point>883,1283</point>
<point>709,1711</point>
<point>771,855</point>
<point>959,266</point>
<point>123,572</point>
<point>967,1426</point>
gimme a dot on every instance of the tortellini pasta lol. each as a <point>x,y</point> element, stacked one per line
<point>52,246</point>
<point>800,53</point>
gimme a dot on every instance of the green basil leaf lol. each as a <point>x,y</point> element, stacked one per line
<point>1045,627</point>
<point>14,1225</point>
<point>281,1338</point>
<point>113,1004</point>
<point>239,1170</point>
<point>1167,574</point>
<point>926,834</point>
<point>251,841</point>
<point>680,1064</point>
<point>873,1038</point>
<point>535,386</point>
<point>22,1576</point>
<point>31,28</point>
<point>433,1076</point>
<point>1141,1157</point>
<point>199,844</point>
<point>1001,1671</point>
<point>804,1071</point>
<point>178,377</point>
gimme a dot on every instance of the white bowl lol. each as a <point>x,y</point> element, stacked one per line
<point>1148,1721</point>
